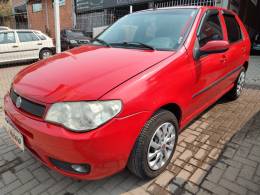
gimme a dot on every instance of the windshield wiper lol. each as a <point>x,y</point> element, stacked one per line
<point>138,44</point>
<point>102,42</point>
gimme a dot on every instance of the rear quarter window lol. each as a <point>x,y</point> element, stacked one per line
<point>233,28</point>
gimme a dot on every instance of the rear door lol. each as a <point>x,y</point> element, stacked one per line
<point>30,44</point>
<point>9,50</point>
<point>237,52</point>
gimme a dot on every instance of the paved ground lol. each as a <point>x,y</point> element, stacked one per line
<point>219,153</point>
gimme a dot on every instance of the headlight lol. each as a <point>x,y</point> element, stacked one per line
<point>83,116</point>
<point>73,42</point>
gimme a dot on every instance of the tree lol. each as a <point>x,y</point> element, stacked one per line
<point>5,8</point>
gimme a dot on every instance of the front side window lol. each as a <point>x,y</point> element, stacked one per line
<point>161,29</point>
<point>211,30</point>
<point>7,37</point>
<point>233,29</point>
<point>27,36</point>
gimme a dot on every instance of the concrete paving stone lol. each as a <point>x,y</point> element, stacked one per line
<point>173,188</point>
<point>191,187</point>
<point>44,186</point>
<point>254,158</point>
<point>41,174</point>
<point>229,152</point>
<point>203,192</point>
<point>182,177</point>
<point>245,161</point>
<point>186,155</point>
<point>201,154</point>
<point>214,188</point>
<point>25,187</point>
<point>198,176</point>
<point>233,187</point>
<point>248,184</point>
<point>8,177</point>
<point>247,172</point>
<point>24,175</point>
<point>215,175</point>
<point>8,188</point>
<point>164,179</point>
<point>59,186</point>
<point>231,173</point>
<point>243,151</point>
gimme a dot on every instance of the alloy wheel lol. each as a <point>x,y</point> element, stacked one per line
<point>241,82</point>
<point>161,146</point>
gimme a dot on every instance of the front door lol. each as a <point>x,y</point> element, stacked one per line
<point>30,44</point>
<point>210,68</point>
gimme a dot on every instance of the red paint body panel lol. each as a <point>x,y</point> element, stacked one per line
<point>143,80</point>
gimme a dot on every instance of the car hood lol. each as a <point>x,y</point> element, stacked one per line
<point>84,73</point>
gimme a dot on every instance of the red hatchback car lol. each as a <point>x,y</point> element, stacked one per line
<point>122,100</point>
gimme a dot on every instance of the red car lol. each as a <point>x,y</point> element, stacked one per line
<point>122,100</point>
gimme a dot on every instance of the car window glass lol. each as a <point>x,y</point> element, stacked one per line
<point>211,30</point>
<point>27,36</point>
<point>7,37</point>
<point>41,36</point>
<point>163,30</point>
<point>233,29</point>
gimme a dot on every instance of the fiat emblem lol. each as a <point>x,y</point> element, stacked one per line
<point>18,102</point>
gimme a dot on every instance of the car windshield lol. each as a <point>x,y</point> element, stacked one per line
<point>160,30</point>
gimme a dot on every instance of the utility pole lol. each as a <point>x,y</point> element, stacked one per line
<point>131,9</point>
<point>57,25</point>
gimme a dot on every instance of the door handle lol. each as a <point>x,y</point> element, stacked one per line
<point>39,43</point>
<point>223,59</point>
<point>243,49</point>
<point>15,46</point>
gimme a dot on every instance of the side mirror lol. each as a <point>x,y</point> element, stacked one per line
<point>211,47</point>
<point>214,47</point>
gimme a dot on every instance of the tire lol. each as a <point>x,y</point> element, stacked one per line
<point>236,91</point>
<point>138,162</point>
<point>45,53</point>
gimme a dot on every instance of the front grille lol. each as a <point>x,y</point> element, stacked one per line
<point>27,105</point>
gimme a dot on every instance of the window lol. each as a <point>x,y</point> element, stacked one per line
<point>211,30</point>
<point>162,30</point>
<point>7,37</point>
<point>36,7</point>
<point>27,36</point>
<point>233,29</point>
<point>40,35</point>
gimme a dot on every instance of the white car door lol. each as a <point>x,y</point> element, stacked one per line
<point>9,47</point>
<point>30,44</point>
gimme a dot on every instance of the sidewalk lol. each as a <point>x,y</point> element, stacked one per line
<point>219,153</point>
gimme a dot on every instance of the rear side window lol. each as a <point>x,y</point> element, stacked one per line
<point>211,30</point>
<point>7,37</point>
<point>233,29</point>
<point>41,36</point>
<point>27,36</point>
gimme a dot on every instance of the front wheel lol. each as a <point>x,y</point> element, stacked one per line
<point>236,91</point>
<point>155,145</point>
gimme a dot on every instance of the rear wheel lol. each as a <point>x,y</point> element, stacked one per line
<point>155,145</point>
<point>236,91</point>
<point>45,53</point>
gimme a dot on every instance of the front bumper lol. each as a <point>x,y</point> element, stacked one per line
<point>105,149</point>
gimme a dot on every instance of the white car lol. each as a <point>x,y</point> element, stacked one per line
<point>23,45</point>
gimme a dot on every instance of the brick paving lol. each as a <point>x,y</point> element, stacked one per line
<point>219,153</point>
